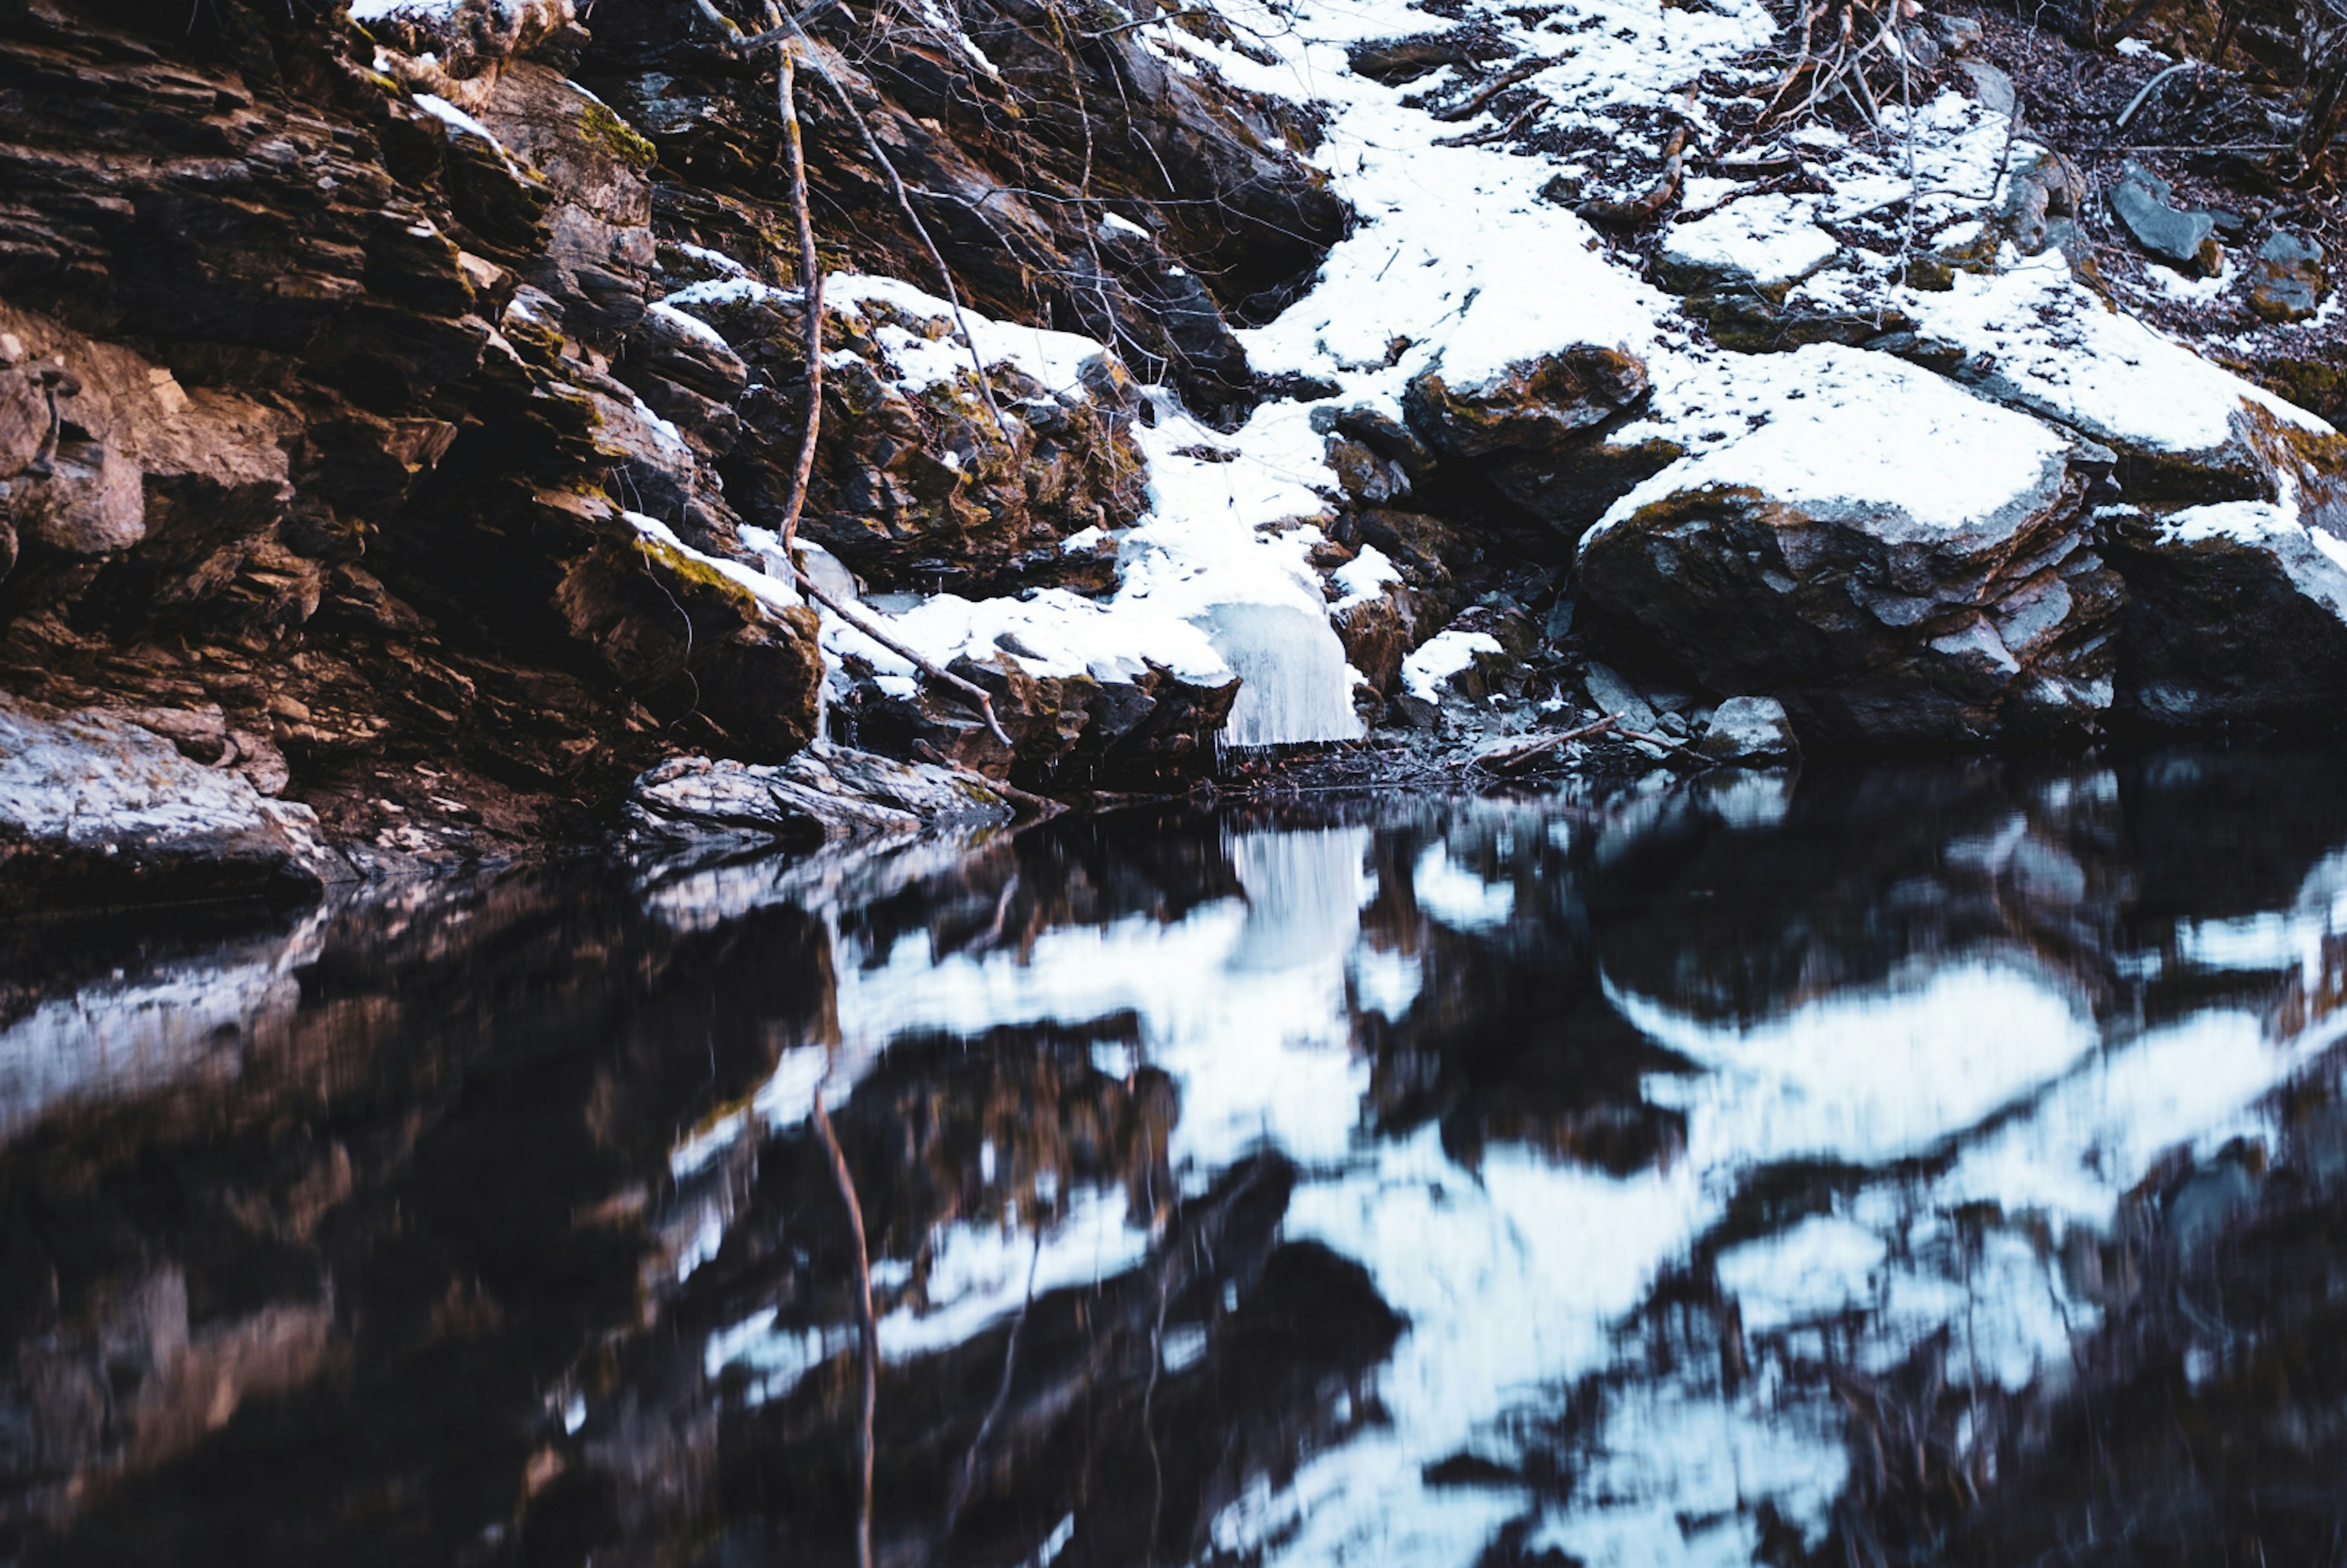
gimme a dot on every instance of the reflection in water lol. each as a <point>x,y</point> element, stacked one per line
<point>1931,1164</point>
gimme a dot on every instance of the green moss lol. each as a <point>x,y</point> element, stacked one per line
<point>700,574</point>
<point>615,136</point>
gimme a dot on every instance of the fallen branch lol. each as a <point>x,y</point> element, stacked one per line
<point>1473,103</point>
<point>2144,97</point>
<point>868,1325</point>
<point>865,623</point>
<point>1496,133</point>
<point>1515,759</point>
<point>810,285</point>
<point>1639,208</point>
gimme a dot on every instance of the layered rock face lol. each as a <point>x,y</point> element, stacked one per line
<point>346,423</point>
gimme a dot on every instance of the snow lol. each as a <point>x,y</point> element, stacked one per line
<point>458,120</point>
<point>1840,426</point>
<point>2059,350</point>
<point>1440,658</point>
<point>692,328</point>
<point>1770,239</point>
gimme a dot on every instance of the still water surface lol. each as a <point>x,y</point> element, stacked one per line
<point>1934,1163</point>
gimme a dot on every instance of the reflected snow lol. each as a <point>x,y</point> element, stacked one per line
<point>1440,1181</point>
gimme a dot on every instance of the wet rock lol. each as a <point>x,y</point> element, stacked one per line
<point>1750,730</point>
<point>2286,280</point>
<point>824,794</point>
<point>95,810</point>
<point>2147,205</point>
<point>1881,602</point>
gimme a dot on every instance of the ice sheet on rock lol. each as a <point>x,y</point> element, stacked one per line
<point>1828,424</point>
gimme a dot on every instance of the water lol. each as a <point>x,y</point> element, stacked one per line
<point>1932,1162</point>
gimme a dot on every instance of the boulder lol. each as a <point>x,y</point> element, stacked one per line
<point>915,486</point>
<point>95,810</point>
<point>1537,430</point>
<point>2180,431</point>
<point>2236,616</point>
<point>1897,560</point>
<point>1750,730</point>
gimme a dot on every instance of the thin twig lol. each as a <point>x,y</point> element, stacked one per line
<point>864,622</point>
<point>868,1325</point>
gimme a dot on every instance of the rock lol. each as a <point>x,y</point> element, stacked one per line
<point>1376,618</point>
<point>1957,35</point>
<point>2181,431</point>
<point>1881,599</point>
<point>2045,197</point>
<point>1538,431</point>
<point>1066,731</point>
<point>2286,280</point>
<point>1991,86</point>
<point>1617,696</point>
<point>2236,618</point>
<point>2147,205</point>
<point>1750,730</point>
<point>915,486</point>
<point>824,794</point>
<point>1479,654</point>
<point>1760,244</point>
<point>95,811</point>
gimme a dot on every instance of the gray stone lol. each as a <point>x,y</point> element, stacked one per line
<point>1750,730</point>
<point>1617,696</point>
<point>824,794</point>
<point>2146,204</point>
<point>1991,86</point>
<point>95,810</point>
<point>1958,35</point>
<point>2286,280</point>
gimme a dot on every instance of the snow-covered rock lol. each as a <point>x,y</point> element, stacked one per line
<point>1896,559</point>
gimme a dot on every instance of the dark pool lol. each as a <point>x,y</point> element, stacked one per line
<point>1931,1162</point>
